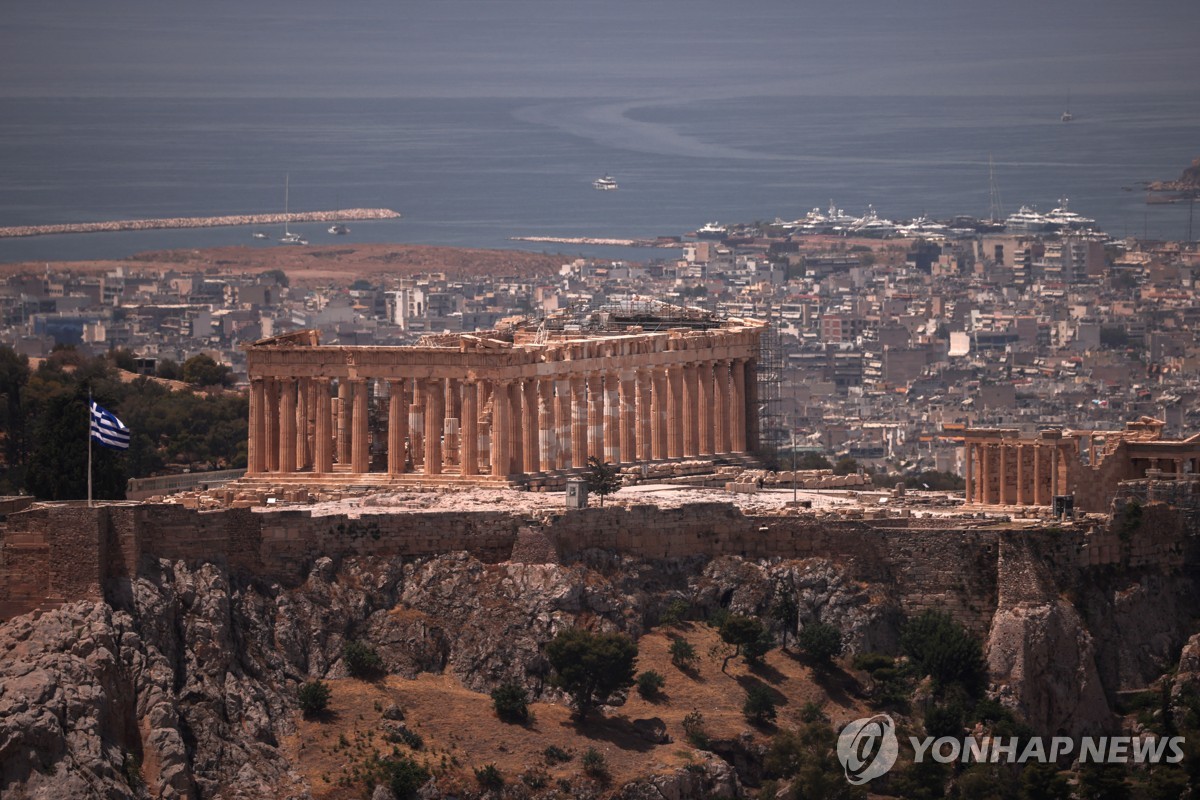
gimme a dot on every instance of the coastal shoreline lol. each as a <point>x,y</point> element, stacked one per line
<point>343,215</point>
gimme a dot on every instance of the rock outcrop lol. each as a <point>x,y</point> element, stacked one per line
<point>1042,663</point>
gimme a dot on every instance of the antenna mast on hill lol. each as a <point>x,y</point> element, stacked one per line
<point>995,212</point>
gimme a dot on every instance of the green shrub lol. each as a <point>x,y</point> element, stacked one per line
<point>749,636</point>
<point>362,660</point>
<point>650,684</point>
<point>591,666</point>
<point>535,778</point>
<point>511,702</point>
<point>759,707</point>
<point>676,613</point>
<point>401,774</point>
<point>407,737</point>
<point>489,777</point>
<point>594,764</point>
<point>693,729</point>
<point>683,654</point>
<point>812,712</point>
<point>821,642</point>
<point>943,650</point>
<point>945,720</point>
<point>314,698</point>
<point>556,755</point>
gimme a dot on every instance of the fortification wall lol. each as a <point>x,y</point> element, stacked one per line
<point>51,553</point>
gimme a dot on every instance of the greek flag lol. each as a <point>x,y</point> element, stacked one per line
<point>107,429</point>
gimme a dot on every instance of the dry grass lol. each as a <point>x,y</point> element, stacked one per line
<point>461,732</point>
<point>314,266</point>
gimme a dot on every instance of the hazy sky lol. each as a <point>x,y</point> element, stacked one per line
<point>613,48</point>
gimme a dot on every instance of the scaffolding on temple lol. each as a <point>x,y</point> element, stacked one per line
<point>648,314</point>
<point>772,424</point>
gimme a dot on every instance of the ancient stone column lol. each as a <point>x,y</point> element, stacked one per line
<point>345,412</point>
<point>1002,486</point>
<point>612,420</point>
<point>596,416</point>
<point>287,425</point>
<point>547,435</point>
<point>1022,496</point>
<point>257,455</point>
<point>360,437</point>
<point>310,425</point>
<point>500,430</point>
<point>691,411</point>
<point>708,421</point>
<point>563,423</point>
<point>579,422</point>
<point>737,397</point>
<point>303,458</point>
<point>1039,498</point>
<point>397,425</point>
<point>469,463</point>
<point>661,404</point>
<point>1054,486</point>
<point>675,411</point>
<point>416,425</point>
<point>323,444</point>
<point>451,423</point>
<point>645,415</point>
<point>968,473</point>
<point>516,423</point>
<point>750,377</point>
<point>628,416</point>
<point>530,443</point>
<point>435,413</point>
<point>484,392</point>
<point>272,391</point>
<point>985,473</point>
<point>722,404</point>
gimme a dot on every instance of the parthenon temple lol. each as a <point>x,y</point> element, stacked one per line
<point>1002,467</point>
<point>524,400</point>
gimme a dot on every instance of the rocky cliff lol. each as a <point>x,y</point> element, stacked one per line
<point>182,683</point>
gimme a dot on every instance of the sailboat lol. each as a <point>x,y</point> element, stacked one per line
<point>288,237</point>
<point>1067,116</point>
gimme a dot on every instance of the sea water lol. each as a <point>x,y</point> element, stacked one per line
<point>474,172</point>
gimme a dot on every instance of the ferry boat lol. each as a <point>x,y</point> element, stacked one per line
<point>605,184</point>
<point>712,230</point>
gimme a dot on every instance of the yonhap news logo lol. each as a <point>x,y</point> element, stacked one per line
<point>867,749</point>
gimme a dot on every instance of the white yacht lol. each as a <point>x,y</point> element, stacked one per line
<point>835,220</point>
<point>870,224</point>
<point>605,184</point>
<point>260,235</point>
<point>338,229</point>
<point>1026,219</point>
<point>923,226</point>
<point>1067,219</point>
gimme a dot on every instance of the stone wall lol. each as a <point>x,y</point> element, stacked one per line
<point>51,553</point>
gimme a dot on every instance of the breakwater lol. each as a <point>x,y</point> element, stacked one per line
<point>344,215</point>
<point>591,240</point>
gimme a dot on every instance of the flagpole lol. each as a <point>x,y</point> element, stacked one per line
<point>89,435</point>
